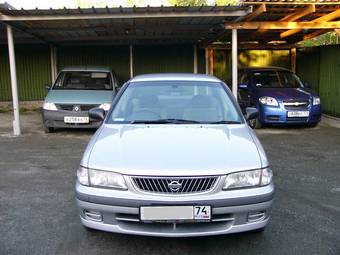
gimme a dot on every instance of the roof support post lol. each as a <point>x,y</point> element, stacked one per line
<point>293,59</point>
<point>13,73</point>
<point>131,60</point>
<point>234,62</point>
<point>195,58</point>
<point>206,61</point>
<point>53,58</point>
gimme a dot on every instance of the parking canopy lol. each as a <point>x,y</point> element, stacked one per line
<point>251,24</point>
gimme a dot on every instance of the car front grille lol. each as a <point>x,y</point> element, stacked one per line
<point>76,107</point>
<point>175,185</point>
<point>296,104</point>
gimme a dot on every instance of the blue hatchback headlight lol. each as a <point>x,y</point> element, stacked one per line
<point>316,100</point>
<point>268,101</point>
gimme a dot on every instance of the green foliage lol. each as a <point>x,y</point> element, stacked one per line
<point>325,39</point>
<point>226,2</point>
<point>201,2</point>
<point>188,2</point>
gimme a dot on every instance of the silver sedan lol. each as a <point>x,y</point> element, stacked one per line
<point>174,157</point>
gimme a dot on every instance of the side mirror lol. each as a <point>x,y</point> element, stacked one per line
<point>97,113</point>
<point>306,85</point>
<point>251,113</point>
<point>242,86</point>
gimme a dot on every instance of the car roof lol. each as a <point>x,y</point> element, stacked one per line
<point>174,77</point>
<point>266,68</point>
<point>87,68</point>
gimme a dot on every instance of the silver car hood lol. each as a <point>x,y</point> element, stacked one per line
<point>174,150</point>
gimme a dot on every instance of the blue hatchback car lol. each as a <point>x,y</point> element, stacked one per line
<point>280,97</point>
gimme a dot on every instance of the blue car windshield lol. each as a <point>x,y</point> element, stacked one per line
<point>83,81</point>
<point>276,79</point>
<point>176,102</point>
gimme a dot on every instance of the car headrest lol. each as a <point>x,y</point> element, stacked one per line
<point>149,101</point>
<point>202,101</point>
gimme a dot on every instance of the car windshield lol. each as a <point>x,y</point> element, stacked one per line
<point>84,81</point>
<point>176,102</point>
<point>276,79</point>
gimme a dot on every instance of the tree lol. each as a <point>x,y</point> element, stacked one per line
<point>201,2</point>
<point>188,2</point>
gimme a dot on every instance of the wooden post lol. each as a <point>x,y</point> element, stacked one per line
<point>211,61</point>
<point>293,59</point>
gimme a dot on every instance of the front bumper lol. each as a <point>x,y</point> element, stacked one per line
<point>55,119</point>
<point>119,211</point>
<point>279,115</point>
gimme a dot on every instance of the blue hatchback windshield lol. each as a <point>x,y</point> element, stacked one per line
<point>276,79</point>
<point>186,101</point>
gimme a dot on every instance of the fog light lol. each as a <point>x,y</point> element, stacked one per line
<point>93,215</point>
<point>256,216</point>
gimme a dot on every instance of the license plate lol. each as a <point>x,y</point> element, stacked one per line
<point>298,114</point>
<point>76,119</point>
<point>175,213</point>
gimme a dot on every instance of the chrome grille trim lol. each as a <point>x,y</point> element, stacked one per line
<point>295,104</point>
<point>181,185</point>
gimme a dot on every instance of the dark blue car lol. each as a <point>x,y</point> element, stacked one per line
<point>280,97</point>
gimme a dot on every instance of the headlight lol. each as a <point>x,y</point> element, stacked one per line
<point>252,178</point>
<point>269,101</point>
<point>316,100</point>
<point>49,106</point>
<point>106,179</point>
<point>105,107</point>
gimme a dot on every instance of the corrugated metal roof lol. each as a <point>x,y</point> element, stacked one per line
<point>155,25</point>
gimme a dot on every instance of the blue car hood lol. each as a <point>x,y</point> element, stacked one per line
<point>285,93</point>
<point>79,96</point>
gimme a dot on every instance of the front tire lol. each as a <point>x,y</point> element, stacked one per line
<point>255,123</point>
<point>48,129</point>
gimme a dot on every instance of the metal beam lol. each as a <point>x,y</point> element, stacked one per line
<point>131,60</point>
<point>325,18</point>
<point>292,3</point>
<point>275,25</point>
<point>195,58</point>
<point>182,14</point>
<point>14,85</point>
<point>234,62</point>
<point>53,58</point>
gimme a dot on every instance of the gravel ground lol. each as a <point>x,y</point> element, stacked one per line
<point>38,213</point>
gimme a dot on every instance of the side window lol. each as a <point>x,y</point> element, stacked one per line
<point>59,81</point>
<point>244,79</point>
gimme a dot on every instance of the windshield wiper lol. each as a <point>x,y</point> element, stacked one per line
<point>165,121</point>
<point>223,122</point>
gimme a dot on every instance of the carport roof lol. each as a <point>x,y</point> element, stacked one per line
<point>261,23</point>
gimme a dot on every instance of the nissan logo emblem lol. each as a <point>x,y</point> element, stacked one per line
<point>174,186</point>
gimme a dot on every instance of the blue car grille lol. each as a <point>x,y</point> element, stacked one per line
<point>175,185</point>
<point>296,104</point>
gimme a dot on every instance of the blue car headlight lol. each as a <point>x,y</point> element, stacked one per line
<point>316,100</point>
<point>268,101</point>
